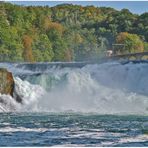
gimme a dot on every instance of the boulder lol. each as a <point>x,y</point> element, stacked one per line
<point>6,82</point>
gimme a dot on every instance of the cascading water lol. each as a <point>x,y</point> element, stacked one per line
<point>109,88</point>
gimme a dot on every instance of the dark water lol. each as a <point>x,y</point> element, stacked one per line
<point>68,129</point>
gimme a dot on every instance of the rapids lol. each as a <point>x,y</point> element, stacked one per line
<point>108,88</point>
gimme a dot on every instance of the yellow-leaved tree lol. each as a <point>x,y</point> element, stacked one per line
<point>132,42</point>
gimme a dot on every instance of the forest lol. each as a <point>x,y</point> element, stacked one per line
<point>68,32</point>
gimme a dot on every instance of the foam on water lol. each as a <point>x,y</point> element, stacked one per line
<point>29,93</point>
<point>8,104</point>
<point>110,88</point>
<point>70,129</point>
<point>21,129</point>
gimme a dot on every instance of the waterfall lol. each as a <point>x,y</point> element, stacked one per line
<point>109,88</point>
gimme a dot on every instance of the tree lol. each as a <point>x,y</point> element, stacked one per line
<point>42,49</point>
<point>146,46</point>
<point>132,42</point>
<point>27,54</point>
<point>67,32</point>
<point>141,26</point>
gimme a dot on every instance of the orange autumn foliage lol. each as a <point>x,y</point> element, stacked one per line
<point>27,43</point>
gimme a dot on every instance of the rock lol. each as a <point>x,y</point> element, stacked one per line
<point>6,82</point>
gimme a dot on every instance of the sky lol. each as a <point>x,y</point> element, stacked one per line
<point>137,7</point>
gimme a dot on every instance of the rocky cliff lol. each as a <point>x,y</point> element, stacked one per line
<point>6,82</point>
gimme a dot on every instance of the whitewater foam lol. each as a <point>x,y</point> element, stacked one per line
<point>110,88</point>
<point>9,129</point>
<point>8,104</point>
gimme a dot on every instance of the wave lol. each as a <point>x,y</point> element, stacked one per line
<point>9,129</point>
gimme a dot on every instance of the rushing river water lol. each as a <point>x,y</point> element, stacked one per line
<point>44,129</point>
<point>79,105</point>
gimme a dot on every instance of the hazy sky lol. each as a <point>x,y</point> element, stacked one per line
<point>134,6</point>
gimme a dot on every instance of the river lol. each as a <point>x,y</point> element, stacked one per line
<point>91,105</point>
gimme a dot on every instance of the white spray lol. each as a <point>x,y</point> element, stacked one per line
<point>109,88</point>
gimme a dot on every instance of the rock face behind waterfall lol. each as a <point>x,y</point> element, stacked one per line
<point>6,82</point>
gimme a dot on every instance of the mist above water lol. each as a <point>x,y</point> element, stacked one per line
<point>109,88</point>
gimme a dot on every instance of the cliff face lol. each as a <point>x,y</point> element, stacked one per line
<point>6,82</point>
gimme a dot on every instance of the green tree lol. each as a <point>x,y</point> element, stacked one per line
<point>132,42</point>
<point>67,32</point>
<point>42,49</point>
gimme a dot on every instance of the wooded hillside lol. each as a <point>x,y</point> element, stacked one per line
<point>68,32</point>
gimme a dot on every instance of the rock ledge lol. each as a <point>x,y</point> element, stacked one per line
<point>6,82</point>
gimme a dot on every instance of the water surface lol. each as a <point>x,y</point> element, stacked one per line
<point>72,129</point>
